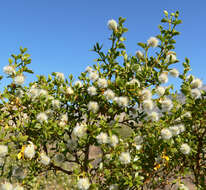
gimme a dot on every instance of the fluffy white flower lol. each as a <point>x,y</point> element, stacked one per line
<point>185,149</point>
<point>18,187</point>
<point>122,101</point>
<point>196,93</point>
<point>92,91</point>
<point>3,150</point>
<point>174,72</point>
<point>93,106</point>
<point>171,57</point>
<point>148,105</point>
<point>44,159</point>
<point>102,138</point>
<point>152,41</point>
<point>69,90</point>
<point>83,184</point>
<point>138,140</point>
<point>93,76</point>
<point>41,117</point>
<point>166,104</point>
<point>80,130</point>
<point>146,94</point>
<point>182,187</point>
<point>56,104</point>
<point>174,130</point>
<point>78,84</point>
<point>6,186</point>
<point>154,116</point>
<point>139,54</point>
<point>43,92</point>
<point>166,134</point>
<point>109,94</point>
<point>196,83</point>
<point>113,140</point>
<point>134,82</point>
<point>181,128</point>
<point>163,78</point>
<point>64,118</point>
<point>102,83</point>
<point>113,187</point>
<point>160,90</point>
<point>29,151</point>
<point>33,93</point>
<point>88,69</point>
<point>9,70</point>
<point>125,158</point>
<point>60,76</point>
<point>19,79</point>
<point>112,24</point>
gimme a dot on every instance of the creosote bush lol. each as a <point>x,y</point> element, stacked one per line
<point>147,137</point>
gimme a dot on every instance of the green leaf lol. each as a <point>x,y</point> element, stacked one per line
<point>143,45</point>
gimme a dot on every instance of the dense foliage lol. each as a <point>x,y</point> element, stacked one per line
<point>144,136</point>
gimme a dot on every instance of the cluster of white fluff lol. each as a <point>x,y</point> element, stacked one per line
<point>166,134</point>
<point>93,106</point>
<point>92,91</point>
<point>55,103</point>
<point>78,83</point>
<point>175,130</point>
<point>138,140</point>
<point>3,150</point>
<point>113,187</point>
<point>152,41</point>
<point>42,117</point>
<point>148,105</point>
<point>19,79</point>
<point>93,76</point>
<point>29,151</point>
<point>109,94</point>
<point>134,82</point>
<point>185,148</point>
<point>113,140</point>
<point>171,56</point>
<point>174,72</point>
<point>60,76</point>
<point>154,116</point>
<point>69,90</point>
<point>122,101</point>
<point>6,186</point>
<point>83,183</point>
<point>102,83</point>
<point>160,90</point>
<point>139,54</point>
<point>163,78</point>
<point>44,159</point>
<point>9,70</point>
<point>125,158</point>
<point>80,130</point>
<point>196,84</point>
<point>63,120</point>
<point>102,138</point>
<point>112,24</point>
<point>36,92</point>
<point>146,94</point>
<point>166,104</point>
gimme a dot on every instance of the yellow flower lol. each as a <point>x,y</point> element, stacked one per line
<point>157,167</point>
<point>21,153</point>
<point>165,157</point>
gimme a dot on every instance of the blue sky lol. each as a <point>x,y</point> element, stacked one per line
<point>60,33</point>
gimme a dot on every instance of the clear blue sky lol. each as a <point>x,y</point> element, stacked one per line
<point>60,33</point>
